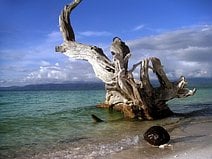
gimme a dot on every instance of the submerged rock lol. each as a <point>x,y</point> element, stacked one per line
<point>156,135</point>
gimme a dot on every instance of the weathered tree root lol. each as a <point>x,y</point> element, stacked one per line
<point>135,98</point>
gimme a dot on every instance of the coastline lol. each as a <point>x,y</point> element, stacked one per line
<point>191,139</point>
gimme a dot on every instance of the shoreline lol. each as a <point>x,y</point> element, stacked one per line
<point>191,139</point>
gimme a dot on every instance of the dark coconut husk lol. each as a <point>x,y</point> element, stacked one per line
<point>156,135</point>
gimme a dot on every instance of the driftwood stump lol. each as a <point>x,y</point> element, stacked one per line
<point>135,98</point>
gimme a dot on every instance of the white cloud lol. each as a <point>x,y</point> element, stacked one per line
<point>65,72</point>
<point>45,63</point>
<point>187,51</point>
<point>95,33</point>
<point>41,64</point>
<point>47,73</point>
<point>139,27</point>
<point>54,36</point>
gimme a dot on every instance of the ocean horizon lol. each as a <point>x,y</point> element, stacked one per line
<point>42,123</point>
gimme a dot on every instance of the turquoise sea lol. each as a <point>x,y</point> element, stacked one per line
<point>51,123</point>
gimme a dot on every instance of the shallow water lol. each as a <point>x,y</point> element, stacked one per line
<point>44,123</point>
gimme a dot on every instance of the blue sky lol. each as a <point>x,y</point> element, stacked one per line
<point>179,32</point>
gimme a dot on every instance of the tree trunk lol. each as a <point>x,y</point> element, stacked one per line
<point>135,98</point>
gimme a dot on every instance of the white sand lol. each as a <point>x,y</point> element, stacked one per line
<point>191,140</point>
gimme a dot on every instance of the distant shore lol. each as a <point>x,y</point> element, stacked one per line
<point>89,85</point>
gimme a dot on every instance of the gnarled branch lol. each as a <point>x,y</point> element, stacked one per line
<point>135,98</point>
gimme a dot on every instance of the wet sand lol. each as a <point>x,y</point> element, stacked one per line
<point>191,138</point>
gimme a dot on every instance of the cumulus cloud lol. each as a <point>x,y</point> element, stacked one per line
<point>16,63</point>
<point>40,64</point>
<point>57,73</point>
<point>185,51</point>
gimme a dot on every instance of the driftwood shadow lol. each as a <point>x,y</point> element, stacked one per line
<point>185,139</point>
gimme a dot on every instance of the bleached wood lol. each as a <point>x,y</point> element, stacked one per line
<point>135,98</point>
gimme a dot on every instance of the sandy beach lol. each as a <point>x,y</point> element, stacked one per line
<point>191,139</point>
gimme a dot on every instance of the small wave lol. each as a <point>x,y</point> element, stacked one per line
<point>105,149</point>
<point>72,140</point>
<point>6,103</point>
<point>94,150</point>
<point>74,110</point>
<point>102,149</point>
<point>207,111</point>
